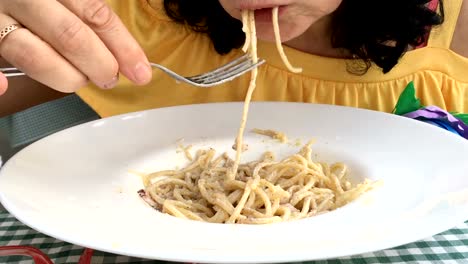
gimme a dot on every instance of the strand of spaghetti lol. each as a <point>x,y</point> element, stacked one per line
<point>278,43</point>
<point>297,197</point>
<point>155,196</point>
<point>187,152</point>
<point>193,206</point>
<point>285,212</point>
<point>204,192</point>
<point>266,201</point>
<point>235,196</point>
<point>187,213</point>
<point>275,205</point>
<point>324,205</point>
<point>253,36</point>
<point>154,175</point>
<point>249,212</point>
<point>219,217</point>
<point>248,97</point>
<point>246,29</point>
<point>168,207</point>
<point>232,219</point>
<point>224,203</point>
<point>251,201</point>
<point>306,206</point>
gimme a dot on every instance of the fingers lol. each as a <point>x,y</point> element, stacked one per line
<point>110,29</point>
<point>68,35</point>
<point>3,84</point>
<point>37,59</point>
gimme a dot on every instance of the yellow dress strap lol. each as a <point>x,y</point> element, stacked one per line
<point>441,36</point>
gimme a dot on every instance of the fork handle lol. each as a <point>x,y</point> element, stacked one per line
<point>11,72</point>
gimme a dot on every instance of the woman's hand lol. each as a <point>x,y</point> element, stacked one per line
<point>66,43</point>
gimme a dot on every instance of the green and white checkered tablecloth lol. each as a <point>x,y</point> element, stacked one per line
<point>449,247</point>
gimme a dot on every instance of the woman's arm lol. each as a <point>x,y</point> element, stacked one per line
<point>460,37</point>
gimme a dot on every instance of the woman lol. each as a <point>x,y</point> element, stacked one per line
<point>359,53</point>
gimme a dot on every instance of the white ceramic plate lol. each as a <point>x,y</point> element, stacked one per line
<point>75,185</point>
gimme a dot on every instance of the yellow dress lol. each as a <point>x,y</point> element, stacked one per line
<point>439,74</point>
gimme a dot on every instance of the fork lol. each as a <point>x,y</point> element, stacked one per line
<point>217,76</point>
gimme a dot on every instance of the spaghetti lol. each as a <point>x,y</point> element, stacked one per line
<point>279,46</point>
<point>219,189</point>
<point>280,136</point>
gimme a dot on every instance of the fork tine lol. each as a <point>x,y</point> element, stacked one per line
<point>178,77</point>
<point>222,68</point>
<point>211,75</point>
<point>229,75</point>
<point>226,74</point>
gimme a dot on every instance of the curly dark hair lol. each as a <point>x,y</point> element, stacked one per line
<point>370,30</point>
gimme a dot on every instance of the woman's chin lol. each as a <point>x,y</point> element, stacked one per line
<point>265,32</point>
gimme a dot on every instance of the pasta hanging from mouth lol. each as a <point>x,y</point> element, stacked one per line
<point>279,46</point>
<point>219,189</point>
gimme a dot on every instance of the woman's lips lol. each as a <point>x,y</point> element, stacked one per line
<point>266,14</point>
<point>260,4</point>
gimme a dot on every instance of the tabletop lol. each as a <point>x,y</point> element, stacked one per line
<point>23,128</point>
